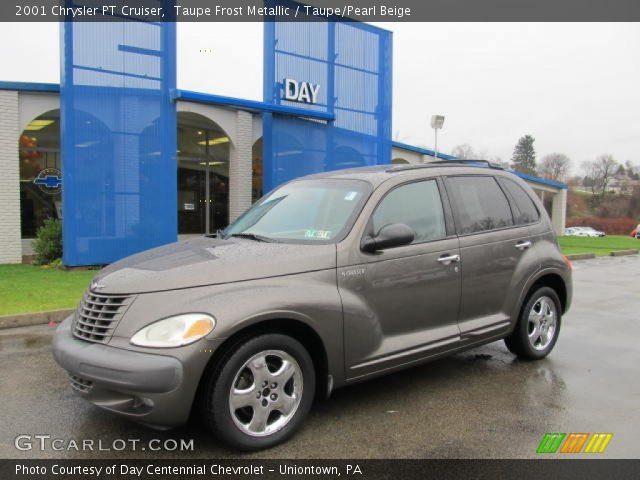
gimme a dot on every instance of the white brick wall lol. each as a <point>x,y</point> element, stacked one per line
<point>240,166</point>
<point>10,244</point>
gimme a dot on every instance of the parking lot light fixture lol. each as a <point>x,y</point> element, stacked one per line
<point>437,121</point>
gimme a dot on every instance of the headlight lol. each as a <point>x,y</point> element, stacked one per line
<point>175,331</point>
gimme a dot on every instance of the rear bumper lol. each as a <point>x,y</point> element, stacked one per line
<point>153,389</point>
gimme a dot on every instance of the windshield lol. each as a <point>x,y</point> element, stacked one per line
<point>305,211</point>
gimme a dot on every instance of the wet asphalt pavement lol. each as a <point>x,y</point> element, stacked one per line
<point>480,404</point>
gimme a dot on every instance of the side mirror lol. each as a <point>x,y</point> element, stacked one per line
<point>389,236</point>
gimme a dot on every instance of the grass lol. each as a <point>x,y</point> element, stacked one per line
<point>598,245</point>
<point>27,288</point>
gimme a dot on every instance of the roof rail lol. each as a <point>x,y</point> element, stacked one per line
<point>487,163</point>
<point>471,162</point>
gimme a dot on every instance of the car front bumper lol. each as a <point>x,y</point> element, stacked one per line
<point>150,388</point>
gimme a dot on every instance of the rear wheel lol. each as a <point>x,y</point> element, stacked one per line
<point>538,327</point>
<point>260,393</point>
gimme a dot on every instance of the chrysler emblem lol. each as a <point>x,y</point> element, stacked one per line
<point>96,286</point>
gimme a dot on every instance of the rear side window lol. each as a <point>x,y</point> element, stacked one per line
<point>480,203</point>
<point>417,205</point>
<point>525,211</point>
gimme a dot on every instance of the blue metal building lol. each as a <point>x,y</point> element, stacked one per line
<point>145,162</point>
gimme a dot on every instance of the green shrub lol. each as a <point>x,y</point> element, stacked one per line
<point>48,243</point>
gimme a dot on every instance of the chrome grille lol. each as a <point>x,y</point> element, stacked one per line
<point>98,315</point>
<point>80,384</point>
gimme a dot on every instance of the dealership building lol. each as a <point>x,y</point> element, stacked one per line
<point>128,161</point>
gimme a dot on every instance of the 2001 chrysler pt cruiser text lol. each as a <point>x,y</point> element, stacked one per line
<point>328,280</point>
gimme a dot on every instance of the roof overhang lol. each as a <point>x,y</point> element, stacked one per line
<point>540,183</point>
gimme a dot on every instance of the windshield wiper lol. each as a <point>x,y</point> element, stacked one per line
<point>251,236</point>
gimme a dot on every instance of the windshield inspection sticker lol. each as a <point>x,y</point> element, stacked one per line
<point>317,234</point>
<point>350,196</point>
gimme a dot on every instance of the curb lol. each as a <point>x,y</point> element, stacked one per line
<point>620,253</point>
<point>581,256</point>
<point>38,318</point>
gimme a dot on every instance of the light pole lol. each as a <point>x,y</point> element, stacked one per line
<point>436,123</point>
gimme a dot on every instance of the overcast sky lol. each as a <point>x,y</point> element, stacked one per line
<point>574,87</point>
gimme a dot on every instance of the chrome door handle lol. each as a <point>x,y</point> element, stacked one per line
<point>523,245</point>
<point>447,259</point>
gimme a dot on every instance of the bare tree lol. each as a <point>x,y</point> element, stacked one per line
<point>464,151</point>
<point>555,166</point>
<point>600,172</point>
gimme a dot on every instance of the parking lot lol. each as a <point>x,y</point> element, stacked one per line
<point>479,404</point>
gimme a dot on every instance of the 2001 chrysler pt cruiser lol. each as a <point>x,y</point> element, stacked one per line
<point>328,280</point>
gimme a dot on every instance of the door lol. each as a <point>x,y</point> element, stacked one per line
<point>203,179</point>
<point>491,245</point>
<point>401,304</point>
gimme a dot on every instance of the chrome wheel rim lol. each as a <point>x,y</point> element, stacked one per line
<point>265,393</point>
<point>542,323</point>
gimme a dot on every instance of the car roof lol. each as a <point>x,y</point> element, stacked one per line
<point>378,174</point>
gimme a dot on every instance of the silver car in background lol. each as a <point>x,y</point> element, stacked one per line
<point>584,232</point>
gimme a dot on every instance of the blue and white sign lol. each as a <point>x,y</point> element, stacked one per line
<point>49,180</point>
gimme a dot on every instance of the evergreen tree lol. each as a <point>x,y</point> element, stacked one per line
<point>524,155</point>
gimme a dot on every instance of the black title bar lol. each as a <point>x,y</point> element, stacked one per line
<point>329,469</point>
<point>319,10</point>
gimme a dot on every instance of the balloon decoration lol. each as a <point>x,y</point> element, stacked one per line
<point>29,157</point>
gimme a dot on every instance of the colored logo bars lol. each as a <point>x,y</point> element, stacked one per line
<point>574,442</point>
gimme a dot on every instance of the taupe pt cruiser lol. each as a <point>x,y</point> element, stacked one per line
<point>328,280</point>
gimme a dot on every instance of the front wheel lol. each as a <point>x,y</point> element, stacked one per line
<point>538,327</point>
<point>260,393</point>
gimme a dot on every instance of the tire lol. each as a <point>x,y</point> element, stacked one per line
<point>525,341</point>
<point>266,415</point>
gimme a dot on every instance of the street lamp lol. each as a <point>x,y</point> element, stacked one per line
<point>436,123</point>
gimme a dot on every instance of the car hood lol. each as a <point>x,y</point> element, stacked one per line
<point>210,261</point>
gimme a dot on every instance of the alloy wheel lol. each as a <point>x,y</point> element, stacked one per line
<point>542,323</point>
<point>266,393</point>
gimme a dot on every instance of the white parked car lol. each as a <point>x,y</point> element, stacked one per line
<point>584,232</point>
<point>573,232</point>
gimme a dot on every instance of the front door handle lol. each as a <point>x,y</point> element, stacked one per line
<point>448,259</point>
<point>523,245</point>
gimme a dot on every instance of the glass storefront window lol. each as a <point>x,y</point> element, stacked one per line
<point>203,175</point>
<point>40,172</point>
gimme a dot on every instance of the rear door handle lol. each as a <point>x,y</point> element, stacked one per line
<point>523,245</point>
<point>447,259</point>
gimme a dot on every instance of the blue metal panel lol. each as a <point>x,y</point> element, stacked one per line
<point>541,181</point>
<point>250,105</point>
<point>351,62</point>
<point>423,151</point>
<point>118,139</point>
<point>30,87</point>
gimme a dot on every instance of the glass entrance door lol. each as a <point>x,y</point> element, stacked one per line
<point>203,175</point>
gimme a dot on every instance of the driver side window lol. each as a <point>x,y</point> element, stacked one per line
<point>417,205</point>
